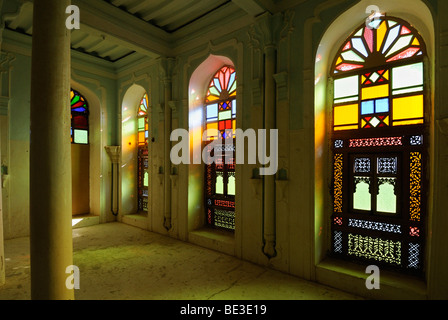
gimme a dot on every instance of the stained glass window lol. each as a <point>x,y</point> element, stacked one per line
<point>379,133</point>
<point>142,159</point>
<point>220,118</point>
<point>79,118</point>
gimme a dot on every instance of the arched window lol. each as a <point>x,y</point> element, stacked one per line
<point>143,175</point>
<point>79,118</point>
<point>220,114</point>
<point>379,144</point>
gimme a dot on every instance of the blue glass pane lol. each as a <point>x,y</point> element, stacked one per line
<point>367,107</point>
<point>212,111</point>
<point>382,105</point>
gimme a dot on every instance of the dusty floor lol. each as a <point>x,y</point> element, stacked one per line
<point>121,262</point>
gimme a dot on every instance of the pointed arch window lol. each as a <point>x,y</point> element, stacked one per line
<point>220,115</point>
<point>142,159</point>
<point>380,139</point>
<point>79,118</point>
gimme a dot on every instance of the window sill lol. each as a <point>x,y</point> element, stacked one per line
<point>214,239</point>
<point>352,277</point>
<point>139,220</point>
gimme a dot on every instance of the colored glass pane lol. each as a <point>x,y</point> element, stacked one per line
<point>231,186</point>
<point>225,115</point>
<point>401,43</point>
<point>375,92</point>
<point>407,76</point>
<point>382,105</point>
<point>81,136</point>
<point>212,112</point>
<point>358,44</point>
<point>362,199</point>
<point>386,200</point>
<point>380,35</point>
<point>346,87</point>
<point>408,107</point>
<point>219,186</point>
<point>367,107</point>
<point>344,115</point>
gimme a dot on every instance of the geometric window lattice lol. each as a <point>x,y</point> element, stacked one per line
<point>375,248</point>
<point>142,155</point>
<point>416,140</point>
<point>337,241</point>
<point>415,186</point>
<point>79,118</point>
<point>414,255</point>
<point>362,165</point>
<point>220,109</point>
<point>337,188</point>
<point>378,88</point>
<point>387,165</point>
<point>374,225</point>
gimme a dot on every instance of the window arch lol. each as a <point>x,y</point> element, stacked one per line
<point>220,116</point>
<point>142,158</point>
<point>79,118</point>
<point>379,143</point>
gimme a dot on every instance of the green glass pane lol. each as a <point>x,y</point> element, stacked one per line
<point>146,180</point>
<point>346,87</point>
<point>362,199</point>
<point>386,200</point>
<point>352,56</point>
<point>75,100</point>
<point>407,76</point>
<point>408,90</point>
<point>401,44</point>
<point>81,136</point>
<point>225,115</point>
<point>215,92</point>
<point>141,124</point>
<point>231,186</point>
<point>219,186</point>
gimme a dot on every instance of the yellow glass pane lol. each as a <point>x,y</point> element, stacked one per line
<point>353,127</point>
<point>363,123</point>
<point>141,137</point>
<point>339,61</point>
<point>408,107</point>
<point>387,120</point>
<point>375,92</point>
<point>415,42</point>
<point>408,122</point>
<point>72,94</point>
<point>363,79</point>
<point>380,34</point>
<point>386,75</point>
<point>344,115</point>
<point>233,126</point>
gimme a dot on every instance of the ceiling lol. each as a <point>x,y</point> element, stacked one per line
<point>145,20</point>
<point>169,15</point>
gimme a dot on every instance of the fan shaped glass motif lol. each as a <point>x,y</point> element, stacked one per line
<point>79,118</point>
<point>390,41</point>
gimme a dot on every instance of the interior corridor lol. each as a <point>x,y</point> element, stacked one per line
<point>122,262</point>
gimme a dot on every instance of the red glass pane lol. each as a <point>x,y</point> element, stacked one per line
<point>348,67</point>
<point>368,35</point>
<point>80,122</point>
<point>405,54</point>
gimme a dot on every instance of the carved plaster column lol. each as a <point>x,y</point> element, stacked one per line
<point>268,25</point>
<point>166,66</point>
<point>51,243</point>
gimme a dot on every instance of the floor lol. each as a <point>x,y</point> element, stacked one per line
<point>122,262</point>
